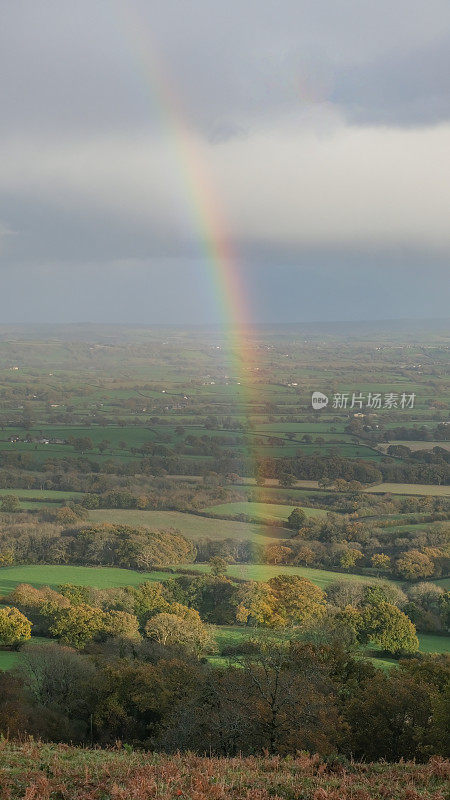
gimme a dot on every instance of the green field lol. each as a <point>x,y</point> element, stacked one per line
<point>132,435</point>
<point>106,577</point>
<point>11,658</point>
<point>233,635</point>
<point>444,582</point>
<point>31,498</point>
<point>409,488</point>
<point>51,575</point>
<point>379,488</point>
<point>262,511</point>
<point>263,572</point>
<point>192,526</point>
<point>430,643</point>
<point>42,494</point>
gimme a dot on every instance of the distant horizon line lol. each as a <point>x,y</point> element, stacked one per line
<point>217,325</point>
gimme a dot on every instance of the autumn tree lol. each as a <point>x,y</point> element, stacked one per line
<point>121,624</point>
<point>389,628</point>
<point>183,629</point>
<point>381,562</point>
<point>6,558</point>
<point>349,558</point>
<point>218,565</point>
<point>14,626</point>
<point>10,503</point>
<point>76,625</point>
<point>277,554</point>
<point>414,565</point>
<point>298,600</point>
<point>305,555</point>
<point>66,516</point>
<point>257,605</point>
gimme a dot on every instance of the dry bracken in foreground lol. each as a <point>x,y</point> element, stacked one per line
<point>36,771</point>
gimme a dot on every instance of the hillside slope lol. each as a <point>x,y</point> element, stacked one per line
<point>32,771</point>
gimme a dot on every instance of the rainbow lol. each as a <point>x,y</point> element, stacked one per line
<point>208,220</point>
<point>201,199</point>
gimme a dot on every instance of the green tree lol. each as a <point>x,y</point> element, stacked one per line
<point>149,600</point>
<point>186,631</point>
<point>381,562</point>
<point>296,519</point>
<point>27,420</point>
<point>76,625</point>
<point>14,626</point>
<point>286,480</point>
<point>389,628</point>
<point>81,444</point>
<point>59,680</point>
<point>218,566</point>
<point>122,625</point>
<point>10,503</point>
<point>349,558</point>
<point>298,600</point>
<point>257,605</point>
<point>414,565</point>
<point>392,717</point>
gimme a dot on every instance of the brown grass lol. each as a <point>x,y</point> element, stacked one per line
<point>36,771</point>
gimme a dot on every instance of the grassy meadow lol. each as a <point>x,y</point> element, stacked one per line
<point>107,577</point>
<point>51,575</point>
<point>262,511</point>
<point>263,572</point>
<point>193,526</point>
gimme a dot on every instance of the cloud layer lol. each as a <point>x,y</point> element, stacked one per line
<point>319,130</point>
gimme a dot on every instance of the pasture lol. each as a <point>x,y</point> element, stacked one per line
<point>263,572</point>
<point>54,575</point>
<point>234,635</point>
<point>262,511</point>
<point>194,527</point>
<point>416,445</point>
<point>41,495</point>
<point>33,499</point>
<point>430,643</point>
<point>12,658</point>
<point>409,488</point>
<point>108,577</point>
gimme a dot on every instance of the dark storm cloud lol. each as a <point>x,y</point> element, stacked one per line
<point>324,128</point>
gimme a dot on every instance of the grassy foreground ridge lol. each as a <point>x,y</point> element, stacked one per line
<point>34,770</point>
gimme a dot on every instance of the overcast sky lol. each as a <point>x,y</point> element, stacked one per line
<point>320,129</point>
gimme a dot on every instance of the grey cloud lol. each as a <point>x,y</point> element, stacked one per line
<point>79,66</point>
<point>321,125</point>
